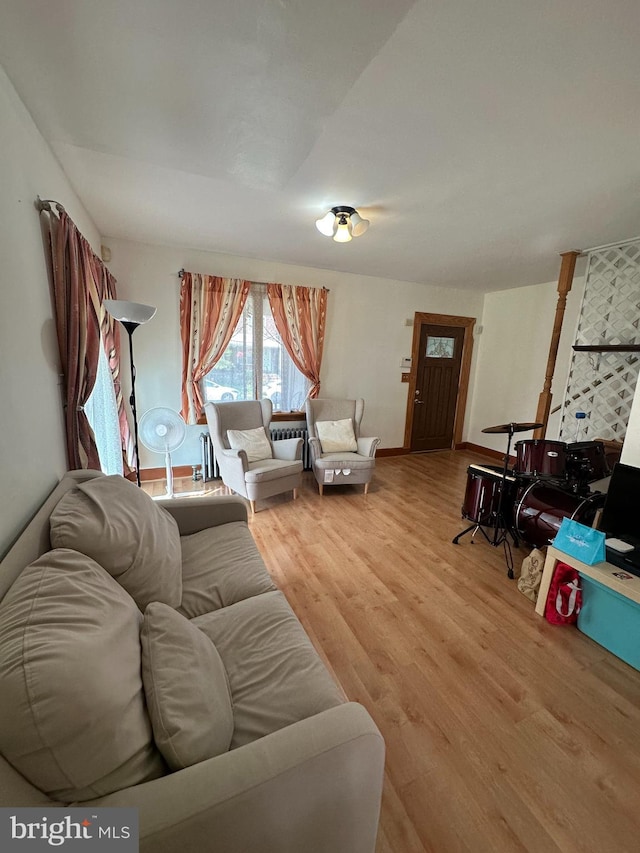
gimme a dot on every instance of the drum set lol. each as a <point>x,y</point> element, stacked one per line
<point>550,480</point>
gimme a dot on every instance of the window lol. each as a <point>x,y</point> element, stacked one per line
<point>256,363</point>
<point>440,347</point>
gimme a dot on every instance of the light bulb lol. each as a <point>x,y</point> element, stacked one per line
<point>343,231</point>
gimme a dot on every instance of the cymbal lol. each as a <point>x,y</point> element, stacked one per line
<point>513,427</point>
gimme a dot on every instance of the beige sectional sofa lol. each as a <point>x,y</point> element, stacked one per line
<point>147,660</point>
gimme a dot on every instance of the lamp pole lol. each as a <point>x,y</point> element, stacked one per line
<point>131,327</point>
<point>131,315</point>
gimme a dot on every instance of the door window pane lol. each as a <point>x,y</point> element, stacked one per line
<point>440,347</point>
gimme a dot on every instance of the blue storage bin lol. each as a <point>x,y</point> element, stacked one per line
<point>611,620</point>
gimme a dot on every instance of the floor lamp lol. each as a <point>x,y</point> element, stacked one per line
<point>131,315</point>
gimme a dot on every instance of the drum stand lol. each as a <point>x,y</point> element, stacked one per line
<point>500,526</point>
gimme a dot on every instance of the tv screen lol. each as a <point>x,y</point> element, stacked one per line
<point>621,513</point>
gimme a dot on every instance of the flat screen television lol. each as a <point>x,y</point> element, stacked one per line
<point>621,512</point>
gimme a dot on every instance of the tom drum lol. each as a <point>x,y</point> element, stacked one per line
<point>587,461</point>
<point>482,494</point>
<point>539,458</point>
<point>542,506</point>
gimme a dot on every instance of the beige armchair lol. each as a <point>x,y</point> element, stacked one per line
<point>339,454</point>
<point>250,465</point>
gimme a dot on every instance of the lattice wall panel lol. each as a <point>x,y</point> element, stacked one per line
<point>603,384</point>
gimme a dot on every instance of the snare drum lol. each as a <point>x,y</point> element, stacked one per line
<point>542,506</point>
<point>587,461</point>
<point>541,459</point>
<point>482,495</point>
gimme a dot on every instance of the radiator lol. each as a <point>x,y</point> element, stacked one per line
<point>295,432</point>
<point>210,470</point>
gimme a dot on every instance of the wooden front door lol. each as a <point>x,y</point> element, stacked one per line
<point>437,379</point>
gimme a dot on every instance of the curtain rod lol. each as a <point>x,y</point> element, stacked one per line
<point>182,272</point>
<point>45,204</point>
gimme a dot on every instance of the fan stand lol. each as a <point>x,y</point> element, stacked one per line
<point>167,461</point>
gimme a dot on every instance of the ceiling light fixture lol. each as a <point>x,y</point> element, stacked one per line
<point>342,223</point>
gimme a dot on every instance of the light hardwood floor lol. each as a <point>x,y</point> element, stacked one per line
<point>503,733</point>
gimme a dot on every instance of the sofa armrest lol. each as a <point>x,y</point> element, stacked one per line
<point>314,785</point>
<point>198,513</point>
<point>287,448</point>
<point>367,446</point>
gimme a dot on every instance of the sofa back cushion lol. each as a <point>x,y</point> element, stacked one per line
<point>186,686</point>
<point>74,720</point>
<point>125,532</point>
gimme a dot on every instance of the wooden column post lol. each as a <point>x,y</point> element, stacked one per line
<point>565,281</point>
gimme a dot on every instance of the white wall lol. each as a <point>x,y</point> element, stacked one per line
<point>631,449</point>
<point>512,358</point>
<point>366,332</point>
<point>32,455</point>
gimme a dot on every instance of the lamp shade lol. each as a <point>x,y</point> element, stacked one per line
<point>343,231</point>
<point>129,312</point>
<point>328,224</point>
<point>358,224</point>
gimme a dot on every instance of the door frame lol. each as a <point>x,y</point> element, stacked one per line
<point>420,318</point>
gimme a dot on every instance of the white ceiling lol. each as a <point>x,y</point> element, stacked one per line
<point>480,138</point>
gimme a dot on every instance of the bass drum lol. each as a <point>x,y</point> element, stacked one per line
<point>542,506</point>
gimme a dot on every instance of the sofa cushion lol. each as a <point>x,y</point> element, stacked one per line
<point>74,720</point>
<point>275,674</point>
<point>336,436</point>
<point>186,686</point>
<point>253,441</point>
<point>220,566</point>
<point>127,533</point>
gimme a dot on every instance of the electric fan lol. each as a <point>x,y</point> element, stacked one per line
<point>163,431</point>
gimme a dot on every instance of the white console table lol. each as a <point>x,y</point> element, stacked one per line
<point>601,572</point>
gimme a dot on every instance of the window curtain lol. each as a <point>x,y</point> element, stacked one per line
<point>80,282</point>
<point>210,308</point>
<point>300,315</point>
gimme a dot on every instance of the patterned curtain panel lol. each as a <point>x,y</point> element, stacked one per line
<point>210,308</point>
<point>81,283</point>
<point>300,315</point>
<point>75,297</point>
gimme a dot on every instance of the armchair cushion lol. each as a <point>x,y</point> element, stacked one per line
<point>74,720</point>
<point>186,688</point>
<point>254,442</point>
<point>125,532</point>
<point>272,470</point>
<point>336,436</point>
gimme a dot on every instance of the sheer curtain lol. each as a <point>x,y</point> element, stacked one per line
<point>300,315</point>
<point>102,411</point>
<point>210,308</point>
